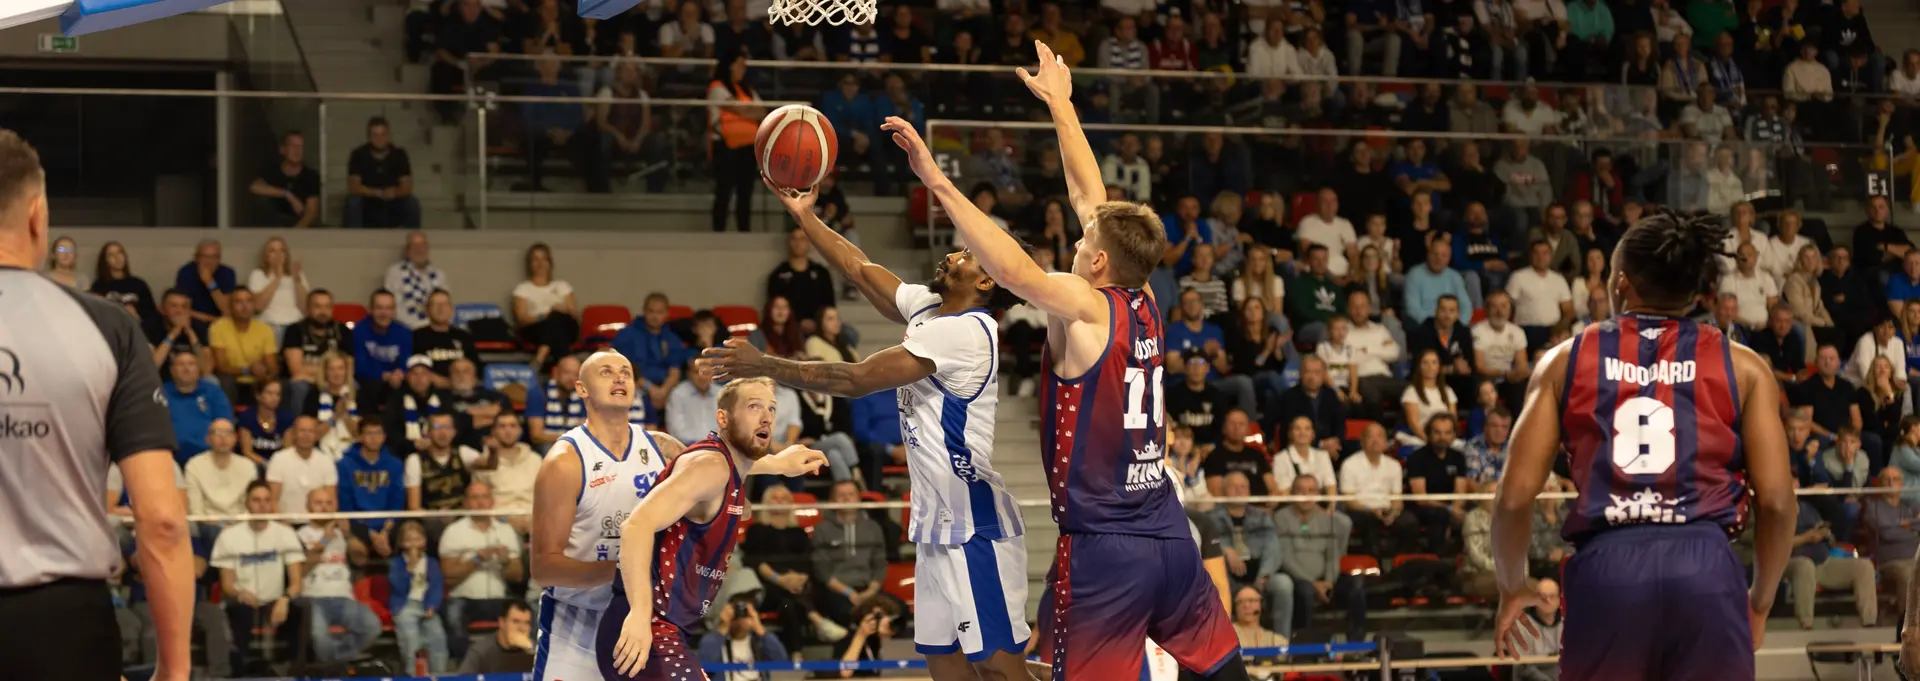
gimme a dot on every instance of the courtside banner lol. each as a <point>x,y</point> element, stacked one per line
<point>93,16</point>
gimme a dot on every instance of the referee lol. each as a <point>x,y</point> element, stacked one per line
<point>77,391</point>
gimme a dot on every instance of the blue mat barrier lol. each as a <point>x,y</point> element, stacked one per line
<point>864,665</point>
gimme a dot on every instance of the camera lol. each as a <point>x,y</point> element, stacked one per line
<point>740,608</point>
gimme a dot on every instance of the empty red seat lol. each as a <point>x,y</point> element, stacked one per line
<point>348,313</point>
<point>678,312</point>
<point>1359,564</point>
<point>373,591</point>
<point>740,320</point>
<point>806,517</point>
<point>599,323</point>
<point>899,582</point>
<point>1356,428</point>
<point>1304,203</point>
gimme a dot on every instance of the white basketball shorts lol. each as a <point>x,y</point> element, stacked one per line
<point>564,645</point>
<point>971,598</point>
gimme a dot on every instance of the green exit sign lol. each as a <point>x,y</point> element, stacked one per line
<point>54,42</point>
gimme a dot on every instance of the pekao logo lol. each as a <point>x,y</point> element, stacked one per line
<point>11,380</point>
<point>12,428</point>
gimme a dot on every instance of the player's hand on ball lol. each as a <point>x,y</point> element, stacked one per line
<point>733,358</point>
<point>1512,631</point>
<point>636,640</point>
<point>796,461</point>
<point>919,157</point>
<point>796,201</point>
<point>1051,81</point>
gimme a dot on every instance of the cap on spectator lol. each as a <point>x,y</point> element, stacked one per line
<point>419,361</point>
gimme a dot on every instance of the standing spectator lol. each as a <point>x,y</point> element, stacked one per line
<point>1813,565</point>
<point>380,182</point>
<point>217,483</point>
<point>418,589</point>
<point>206,283</point>
<point>1437,469</point>
<point>194,403</point>
<point>305,345</point>
<point>329,584</point>
<point>514,637</point>
<point>278,286</point>
<point>805,284</point>
<point>1528,186</point>
<point>245,351</point>
<point>413,279</point>
<point>732,131</point>
<point>372,480</point>
<point>1312,540</point>
<point>381,346</point>
<point>1251,545</point>
<point>440,341</point>
<point>260,565</point>
<point>741,638</point>
<point>1195,403</point>
<point>293,473</point>
<point>289,188</point>
<point>544,309</point>
<point>848,552</point>
<point>479,557</point>
<point>657,353</point>
<point>1541,297</point>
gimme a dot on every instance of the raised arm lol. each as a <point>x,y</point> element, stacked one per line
<point>699,478</point>
<point>1061,294</point>
<point>887,369</point>
<point>1053,84</point>
<point>556,493</point>
<point>875,282</point>
<point>1536,437</point>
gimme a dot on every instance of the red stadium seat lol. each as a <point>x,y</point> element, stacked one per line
<point>899,582</point>
<point>1303,204</point>
<point>918,206</point>
<point>1357,428</point>
<point>1479,315</point>
<point>348,313</point>
<point>598,324</point>
<point>373,590</point>
<point>806,517</point>
<point>678,312</point>
<point>872,496</point>
<point>740,320</point>
<point>1358,564</point>
<point>1404,558</point>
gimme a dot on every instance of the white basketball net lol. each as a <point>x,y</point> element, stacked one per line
<point>816,12</point>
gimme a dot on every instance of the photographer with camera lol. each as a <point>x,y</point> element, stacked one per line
<point>876,627</point>
<point>741,638</point>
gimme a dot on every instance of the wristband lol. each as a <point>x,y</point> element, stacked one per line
<point>848,592</point>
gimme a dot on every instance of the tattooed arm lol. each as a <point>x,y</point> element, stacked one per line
<point>884,370</point>
<point>669,446</point>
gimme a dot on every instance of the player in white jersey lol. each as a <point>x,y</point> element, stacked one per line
<point>970,586</point>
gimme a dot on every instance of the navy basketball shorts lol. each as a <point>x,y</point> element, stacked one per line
<point>671,658</point>
<point>1656,603</point>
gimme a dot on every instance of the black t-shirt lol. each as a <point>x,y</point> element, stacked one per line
<point>1200,410</point>
<point>304,185</point>
<point>1361,194</point>
<point>1244,353</point>
<point>1832,406</point>
<point>459,404</point>
<point>805,290</point>
<point>1209,534</point>
<point>182,343</point>
<point>458,37</point>
<point>1439,467</point>
<point>903,50</point>
<point>131,292</point>
<point>1426,336</point>
<point>1785,354</point>
<point>755,39</point>
<point>1254,465</point>
<point>1867,244</point>
<point>379,172</point>
<point>318,340</point>
<point>443,347</point>
<point>1882,421</point>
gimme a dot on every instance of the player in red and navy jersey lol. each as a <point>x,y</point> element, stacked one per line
<point>1106,431</point>
<point>1669,426</point>
<point>667,580</point>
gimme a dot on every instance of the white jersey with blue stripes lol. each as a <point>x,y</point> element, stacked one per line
<point>946,421</point>
<point>610,487</point>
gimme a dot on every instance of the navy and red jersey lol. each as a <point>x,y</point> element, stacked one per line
<point>690,559</point>
<point>1650,417</point>
<point>1106,431</point>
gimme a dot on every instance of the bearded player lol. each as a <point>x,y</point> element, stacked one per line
<point>667,580</point>
<point>970,587</point>
<point>1665,421</point>
<point>1104,425</point>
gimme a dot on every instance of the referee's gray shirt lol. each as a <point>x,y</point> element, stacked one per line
<point>78,390</point>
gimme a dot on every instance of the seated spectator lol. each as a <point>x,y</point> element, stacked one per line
<point>690,37</point>
<point>1251,545</point>
<point>335,405</point>
<point>263,426</point>
<point>1485,454</point>
<point>1200,280</point>
<point>1892,521</point>
<point>245,350</point>
<point>441,342</point>
<point>1248,613</point>
<point>1191,335</point>
<point>1341,358</point>
<point>1500,349</point>
<point>509,650</point>
<point>381,348</point>
<point>1814,565</point>
<point>278,287</point>
<point>625,122</point>
<point>114,280</point>
<point>1880,342</point>
<point>1312,540</point>
<point>218,479</point>
<point>1478,250</point>
<point>1326,228</point>
<point>289,191</point>
<point>1724,186</point>
<point>372,480</point>
<point>410,408</point>
<point>480,558</point>
<point>1545,620</point>
<point>1904,285</point>
<point>1126,169</point>
<point>1804,300</point>
<point>1451,340</point>
<point>1705,119</point>
<point>1299,456</point>
<point>437,475</point>
<point>1525,115</point>
<point>1427,395</point>
<point>329,584</point>
<point>781,553</point>
<point>418,591</point>
<point>1374,475</point>
<point>657,353</point>
<point>1231,454</point>
<point>205,282</point>
<point>1316,296</point>
<point>876,619</point>
<point>1437,469</point>
<point>850,554</point>
<point>1314,399</point>
<point>1806,79</point>
<point>690,409</point>
<point>1476,540</point>
<point>1881,401</point>
<point>1063,42</point>
<point>544,309</point>
<point>1724,316</point>
<point>827,421</point>
<point>306,343</point>
<point>741,638</point>
<point>1783,347</point>
<point>558,126</point>
<point>1829,397</point>
<point>470,33</point>
<point>1434,281</point>
<point>293,473</point>
<point>1195,402</point>
<point>380,182</point>
<point>260,565</point>
<point>1375,349</point>
<point>194,403</point>
<point>1528,185</point>
<point>1541,297</point>
<point>474,406</point>
<point>508,467</point>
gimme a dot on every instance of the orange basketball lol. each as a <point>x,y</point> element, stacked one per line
<point>796,147</point>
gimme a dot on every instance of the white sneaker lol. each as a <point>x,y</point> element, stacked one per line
<point>1026,388</point>
<point>827,631</point>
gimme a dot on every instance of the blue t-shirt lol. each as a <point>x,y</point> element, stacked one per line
<point>1899,287</point>
<point>188,282</point>
<point>192,413</point>
<point>377,352</point>
<point>372,486</point>
<point>1184,339</point>
<point>1176,233</point>
<point>653,353</point>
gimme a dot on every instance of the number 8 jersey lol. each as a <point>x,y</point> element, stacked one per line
<point>1104,432</point>
<point>1650,414</point>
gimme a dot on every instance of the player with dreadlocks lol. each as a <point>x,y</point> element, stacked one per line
<point>1668,428</point>
<point>970,588</point>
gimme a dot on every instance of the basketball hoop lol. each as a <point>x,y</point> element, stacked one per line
<point>815,12</point>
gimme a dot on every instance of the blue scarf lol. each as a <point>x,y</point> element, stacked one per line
<point>416,419</point>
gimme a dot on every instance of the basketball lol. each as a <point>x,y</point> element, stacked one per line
<point>796,147</point>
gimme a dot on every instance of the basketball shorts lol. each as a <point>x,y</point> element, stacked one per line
<point>971,598</point>
<point>59,631</point>
<point>1656,603</point>
<point>1107,593</point>
<point>564,650</point>
<point>670,659</point>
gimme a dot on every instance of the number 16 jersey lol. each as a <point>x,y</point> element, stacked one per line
<point>1103,434</point>
<point>1650,413</point>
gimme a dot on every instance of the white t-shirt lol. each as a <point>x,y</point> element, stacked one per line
<point>284,307</point>
<point>1537,296</point>
<point>512,482</point>
<point>670,34</point>
<point>1373,483</point>
<point>1385,244</point>
<point>331,577</point>
<point>1763,246</point>
<point>1274,283</point>
<point>299,476</point>
<point>1753,293</point>
<point>1428,409</point>
<point>1336,236</point>
<point>1339,363</point>
<point>1517,117</point>
<point>1290,463</point>
<point>1902,84</point>
<point>258,559</point>
<point>467,456</point>
<point>1779,257</point>
<point>1865,350</point>
<point>1373,349</point>
<point>1498,348</point>
<point>541,299</point>
<point>117,482</point>
<point>464,539</point>
<point>216,490</point>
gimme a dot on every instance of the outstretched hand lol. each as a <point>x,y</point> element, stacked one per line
<point>797,201</point>
<point>1051,81</point>
<point>1511,630</point>
<point>794,461</point>
<point>919,157</point>
<point>733,358</point>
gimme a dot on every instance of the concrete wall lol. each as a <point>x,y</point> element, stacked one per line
<point>184,38</point>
